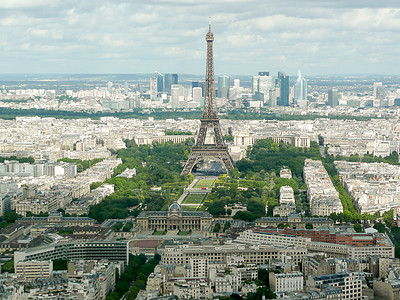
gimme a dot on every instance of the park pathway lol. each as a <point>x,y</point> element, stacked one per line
<point>186,191</point>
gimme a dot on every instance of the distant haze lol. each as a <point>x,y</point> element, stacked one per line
<point>121,36</point>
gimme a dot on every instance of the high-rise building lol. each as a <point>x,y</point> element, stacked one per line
<point>379,90</point>
<point>262,84</point>
<point>255,85</point>
<point>333,97</point>
<point>300,90</point>
<point>178,96</point>
<point>196,92</point>
<point>169,80</point>
<point>199,84</point>
<point>265,85</point>
<point>283,82</point>
<point>223,86</point>
<point>109,86</point>
<point>175,97</point>
<point>272,97</point>
<point>160,82</point>
<point>153,88</point>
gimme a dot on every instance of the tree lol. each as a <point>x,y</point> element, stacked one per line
<point>309,226</point>
<point>217,208</point>
<point>60,264</point>
<point>95,185</point>
<point>117,226</point>
<point>357,227</point>
<point>380,227</point>
<point>128,226</point>
<point>281,225</point>
<point>320,140</point>
<point>263,277</point>
<point>334,217</point>
<point>8,267</point>
<point>227,225</point>
<point>11,216</point>
<point>228,138</point>
<point>245,216</point>
<point>388,218</point>
<point>217,227</point>
<point>259,294</point>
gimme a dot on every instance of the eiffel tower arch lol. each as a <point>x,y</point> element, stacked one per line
<point>209,121</point>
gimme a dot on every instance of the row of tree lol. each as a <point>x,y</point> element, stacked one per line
<point>137,271</point>
<point>29,159</point>
<point>11,113</point>
<point>82,165</point>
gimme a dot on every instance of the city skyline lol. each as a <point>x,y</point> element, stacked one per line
<point>106,36</point>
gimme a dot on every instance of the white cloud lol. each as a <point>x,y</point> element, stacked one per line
<point>18,4</point>
<point>144,17</point>
<point>168,35</point>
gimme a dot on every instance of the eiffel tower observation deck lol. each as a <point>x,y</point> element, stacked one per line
<point>209,121</point>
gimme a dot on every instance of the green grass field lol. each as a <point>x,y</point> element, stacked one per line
<point>189,207</point>
<point>184,232</point>
<point>159,233</point>
<point>194,199</point>
<point>207,183</point>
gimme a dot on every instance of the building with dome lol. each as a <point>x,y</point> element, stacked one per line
<point>174,219</point>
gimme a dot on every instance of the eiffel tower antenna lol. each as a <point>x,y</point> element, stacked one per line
<point>209,120</point>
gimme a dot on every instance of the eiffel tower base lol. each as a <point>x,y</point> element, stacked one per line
<point>199,153</point>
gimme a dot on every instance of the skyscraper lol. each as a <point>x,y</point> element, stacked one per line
<point>153,88</point>
<point>333,97</point>
<point>160,81</point>
<point>170,79</point>
<point>199,84</point>
<point>255,84</point>
<point>283,82</point>
<point>223,86</point>
<point>175,97</point>
<point>262,84</point>
<point>300,90</point>
<point>109,86</point>
<point>196,94</point>
<point>379,90</point>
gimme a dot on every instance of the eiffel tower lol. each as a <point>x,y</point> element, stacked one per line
<point>209,121</point>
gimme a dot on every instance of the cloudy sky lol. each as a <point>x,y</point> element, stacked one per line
<point>131,36</point>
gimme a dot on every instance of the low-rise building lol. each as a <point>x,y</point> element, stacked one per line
<point>192,289</point>
<point>286,282</point>
<point>260,254</point>
<point>174,219</point>
<point>294,220</point>
<point>113,251</point>
<point>322,195</point>
<point>349,283</point>
<point>285,173</point>
<point>389,290</point>
<point>286,195</point>
<point>34,269</point>
<point>383,246</point>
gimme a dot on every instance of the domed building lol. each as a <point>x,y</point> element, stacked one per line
<point>174,219</point>
<point>175,206</point>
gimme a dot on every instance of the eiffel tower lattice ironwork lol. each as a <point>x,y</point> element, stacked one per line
<point>209,121</point>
